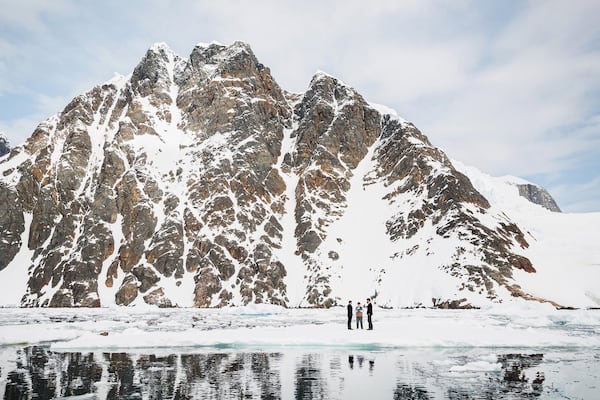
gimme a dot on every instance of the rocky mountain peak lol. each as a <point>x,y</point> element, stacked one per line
<point>157,55</point>
<point>335,124</point>
<point>221,60</point>
<point>160,47</point>
<point>154,74</point>
<point>330,89</point>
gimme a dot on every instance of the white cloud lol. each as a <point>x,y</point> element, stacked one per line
<point>29,15</point>
<point>516,113</point>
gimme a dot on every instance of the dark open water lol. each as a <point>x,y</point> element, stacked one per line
<point>38,373</point>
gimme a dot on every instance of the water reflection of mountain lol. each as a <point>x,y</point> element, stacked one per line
<point>44,374</point>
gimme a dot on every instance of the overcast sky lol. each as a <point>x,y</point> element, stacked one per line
<point>510,87</point>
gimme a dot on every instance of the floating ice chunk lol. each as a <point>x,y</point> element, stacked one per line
<point>477,366</point>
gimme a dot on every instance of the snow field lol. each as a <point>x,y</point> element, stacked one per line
<point>265,327</point>
<point>563,248</point>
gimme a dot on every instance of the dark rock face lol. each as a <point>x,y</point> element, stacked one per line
<point>538,195</point>
<point>13,225</point>
<point>4,146</point>
<point>172,188</point>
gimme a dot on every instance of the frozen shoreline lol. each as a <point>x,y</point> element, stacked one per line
<point>275,327</point>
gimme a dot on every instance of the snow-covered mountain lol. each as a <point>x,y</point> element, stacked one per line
<point>200,182</point>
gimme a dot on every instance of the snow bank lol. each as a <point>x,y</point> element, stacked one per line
<point>414,331</point>
<point>15,276</point>
<point>477,366</point>
<point>20,334</point>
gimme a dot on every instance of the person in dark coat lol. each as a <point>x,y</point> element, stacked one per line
<point>349,307</point>
<point>369,314</point>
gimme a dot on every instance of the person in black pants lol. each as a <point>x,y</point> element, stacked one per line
<point>369,314</point>
<point>349,314</point>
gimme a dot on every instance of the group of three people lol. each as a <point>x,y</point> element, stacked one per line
<point>359,315</point>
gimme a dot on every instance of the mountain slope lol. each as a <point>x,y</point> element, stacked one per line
<point>200,182</point>
<point>563,247</point>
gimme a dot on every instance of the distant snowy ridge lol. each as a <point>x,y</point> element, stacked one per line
<point>199,182</point>
<point>529,190</point>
